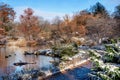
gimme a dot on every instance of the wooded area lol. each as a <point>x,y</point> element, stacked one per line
<point>95,23</point>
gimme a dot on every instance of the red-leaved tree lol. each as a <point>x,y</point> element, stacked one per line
<point>7,15</point>
<point>29,24</point>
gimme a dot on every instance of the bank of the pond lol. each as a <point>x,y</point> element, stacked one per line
<point>85,63</point>
<point>77,72</point>
<point>36,74</point>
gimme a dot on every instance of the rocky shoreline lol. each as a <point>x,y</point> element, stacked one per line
<point>39,75</point>
<point>76,62</point>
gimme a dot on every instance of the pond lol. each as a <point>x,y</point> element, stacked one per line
<point>16,54</point>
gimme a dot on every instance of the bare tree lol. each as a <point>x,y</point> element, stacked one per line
<point>29,24</point>
<point>100,28</point>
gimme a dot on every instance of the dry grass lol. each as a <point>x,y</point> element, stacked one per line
<point>19,42</point>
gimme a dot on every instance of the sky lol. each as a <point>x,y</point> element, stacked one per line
<point>49,9</point>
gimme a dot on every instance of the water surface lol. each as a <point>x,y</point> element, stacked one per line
<point>17,54</point>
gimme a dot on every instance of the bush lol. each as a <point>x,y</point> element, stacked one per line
<point>65,50</point>
<point>113,54</point>
<point>103,69</point>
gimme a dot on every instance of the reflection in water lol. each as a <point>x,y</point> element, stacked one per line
<point>6,64</point>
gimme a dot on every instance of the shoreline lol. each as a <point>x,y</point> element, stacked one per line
<point>72,66</point>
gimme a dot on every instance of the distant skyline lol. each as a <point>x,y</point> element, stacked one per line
<point>48,9</point>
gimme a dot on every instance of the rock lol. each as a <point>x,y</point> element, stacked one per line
<point>66,58</point>
<point>48,52</point>
<point>77,40</point>
<point>42,52</point>
<point>82,51</point>
<point>83,47</point>
<point>99,47</point>
<point>28,53</point>
<point>90,43</point>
